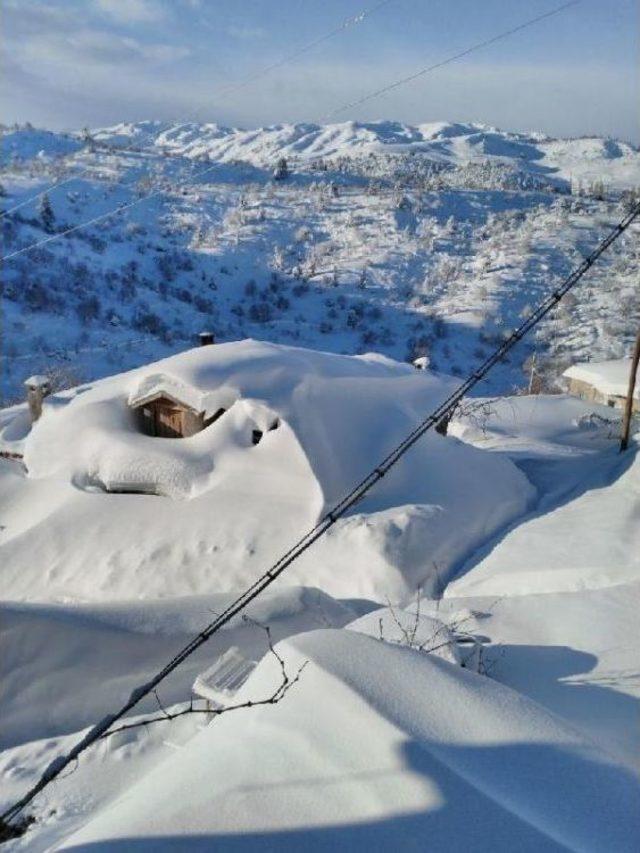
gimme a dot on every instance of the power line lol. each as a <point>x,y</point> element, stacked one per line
<point>354,20</point>
<point>445,408</point>
<point>100,218</point>
<point>388,88</point>
<point>503,35</point>
<point>41,194</point>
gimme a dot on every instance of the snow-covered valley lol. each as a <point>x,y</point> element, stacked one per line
<point>459,652</point>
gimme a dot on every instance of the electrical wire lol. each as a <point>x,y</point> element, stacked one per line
<point>354,20</point>
<point>498,37</point>
<point>444,410</point>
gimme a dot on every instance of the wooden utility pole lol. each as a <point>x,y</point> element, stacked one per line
<point>532,374</point>
<point>628,408</point>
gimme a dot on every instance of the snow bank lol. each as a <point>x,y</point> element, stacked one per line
<point>590,542</point>
<point>574,652</point>
<point>411,629</point>
<point>228,508</point>
<point>539,426</point>
<point>377,747</point>
<point>64,666</point>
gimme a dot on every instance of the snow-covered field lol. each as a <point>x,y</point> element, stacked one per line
<point>466,639</point>
<point>402,239</point>
<point>469,634</point>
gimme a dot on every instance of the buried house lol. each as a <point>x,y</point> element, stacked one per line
<point>168,408</point>
<point>603,382</point>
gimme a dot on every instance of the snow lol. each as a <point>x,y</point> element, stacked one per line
<point>583,531</point>
<point>219,510</point>
<point>581,159</point>
<point>416,630</point>
<point>469,629</point>
<point>379,745</point>
<point>29,142</point>
<point>85,646</point>
<point>607,377</point>
<point>36,381</point>
<point>398,729</point>
<point>428,240</point>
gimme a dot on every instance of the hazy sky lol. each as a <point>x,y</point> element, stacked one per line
<point>70,63</point>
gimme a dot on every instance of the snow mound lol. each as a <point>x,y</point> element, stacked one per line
<point>574,652</point>
<point>411,629</point>
<point>377,747</point>
<point>591,542</point>
<point>66,663</point>
<point>216,510</point>
<point>582,534</point>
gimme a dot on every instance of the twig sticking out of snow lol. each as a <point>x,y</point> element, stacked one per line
<point>286,683</point>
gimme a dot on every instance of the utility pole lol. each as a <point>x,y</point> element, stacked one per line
<point>628,408</point>
<point>532,374</point>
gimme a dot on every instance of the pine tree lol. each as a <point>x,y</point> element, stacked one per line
<point>47,216</point>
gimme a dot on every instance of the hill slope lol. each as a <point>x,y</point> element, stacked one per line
<point>404,239</point>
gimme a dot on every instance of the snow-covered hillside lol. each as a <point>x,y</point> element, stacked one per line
<point>455,661</point>
<point>441,143</point>
<point>468,631</point>
<point>407,240</point>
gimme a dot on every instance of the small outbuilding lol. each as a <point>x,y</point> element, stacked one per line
<point>604,382</point>
<point>167,408</point>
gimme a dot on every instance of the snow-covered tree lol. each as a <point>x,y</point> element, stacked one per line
<point>281,170</point>
<point>47,216</point>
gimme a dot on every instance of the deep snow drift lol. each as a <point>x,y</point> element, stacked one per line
<point>407,749</point>
<point>495,710</point>
<point>227,509</point>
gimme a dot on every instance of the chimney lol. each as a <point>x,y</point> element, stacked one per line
<point>38,387</point>
<point>206,339</point>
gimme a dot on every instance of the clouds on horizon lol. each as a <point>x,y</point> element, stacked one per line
<point>135,59</point>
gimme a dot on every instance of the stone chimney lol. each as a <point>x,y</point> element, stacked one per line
<point>206,339</point>
<point>38,387</point>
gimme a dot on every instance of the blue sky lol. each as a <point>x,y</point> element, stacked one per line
<point>70,63</point>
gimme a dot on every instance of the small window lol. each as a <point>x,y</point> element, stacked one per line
<point>611,404</point>
<point>256,435</point>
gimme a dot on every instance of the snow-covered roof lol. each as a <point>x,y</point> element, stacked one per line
<point>37,381</point>
<point>422,362</point>
<point>161,385</point>
<point>607,377</point>
<point>164,385</point>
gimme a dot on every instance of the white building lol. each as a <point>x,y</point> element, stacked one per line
<point>603,382</point>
